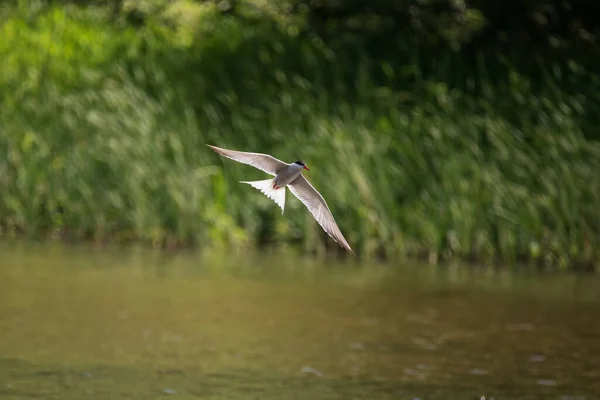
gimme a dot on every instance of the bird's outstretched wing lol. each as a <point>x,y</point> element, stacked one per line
<point>317,205</point>
<point>264,162</point>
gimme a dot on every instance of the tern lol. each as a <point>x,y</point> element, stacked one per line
<point>290,176</point>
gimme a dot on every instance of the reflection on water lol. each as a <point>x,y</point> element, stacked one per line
<point>78,322</point>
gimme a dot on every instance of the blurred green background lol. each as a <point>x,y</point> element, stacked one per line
<point>435,129</point>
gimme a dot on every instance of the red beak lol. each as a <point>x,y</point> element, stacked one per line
<point>306,168</point>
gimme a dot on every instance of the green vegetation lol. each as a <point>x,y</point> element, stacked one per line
<point>422,148</point>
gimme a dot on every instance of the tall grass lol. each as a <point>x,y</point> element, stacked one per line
<point>103,133</point>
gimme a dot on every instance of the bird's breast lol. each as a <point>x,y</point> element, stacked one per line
<point>287,176</point>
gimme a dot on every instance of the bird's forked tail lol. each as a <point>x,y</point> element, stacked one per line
<point>266,186</point>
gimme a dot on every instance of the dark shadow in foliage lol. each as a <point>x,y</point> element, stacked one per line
<point>528,37</point>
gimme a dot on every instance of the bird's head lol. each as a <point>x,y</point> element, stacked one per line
<point>301,163</point>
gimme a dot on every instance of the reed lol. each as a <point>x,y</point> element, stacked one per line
<point>104,126</point>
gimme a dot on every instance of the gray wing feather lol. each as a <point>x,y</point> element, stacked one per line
<point>264,162</point>
<point>317,205</point>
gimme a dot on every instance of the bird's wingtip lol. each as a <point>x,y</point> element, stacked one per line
<point>214,148</point>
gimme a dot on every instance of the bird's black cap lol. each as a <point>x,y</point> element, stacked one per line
<point>300,163</point>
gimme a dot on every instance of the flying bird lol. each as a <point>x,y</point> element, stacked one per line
<point>289,175</point>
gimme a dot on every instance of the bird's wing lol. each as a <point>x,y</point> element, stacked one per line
<point>264,162</point>
<point>316,204</point>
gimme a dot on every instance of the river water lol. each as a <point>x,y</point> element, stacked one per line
<point>82,322</point>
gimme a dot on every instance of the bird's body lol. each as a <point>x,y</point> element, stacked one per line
<point>290,176</point>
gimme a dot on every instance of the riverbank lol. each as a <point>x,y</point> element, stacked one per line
<point>104,126</point>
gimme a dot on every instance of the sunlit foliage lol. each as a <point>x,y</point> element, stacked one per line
<point>420,150</point>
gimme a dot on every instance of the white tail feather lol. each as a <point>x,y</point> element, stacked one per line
<point>266,186</point>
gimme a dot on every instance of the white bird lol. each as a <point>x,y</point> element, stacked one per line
<point>289,175</point>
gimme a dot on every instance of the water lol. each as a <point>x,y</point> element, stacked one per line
<point>98,323</point>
